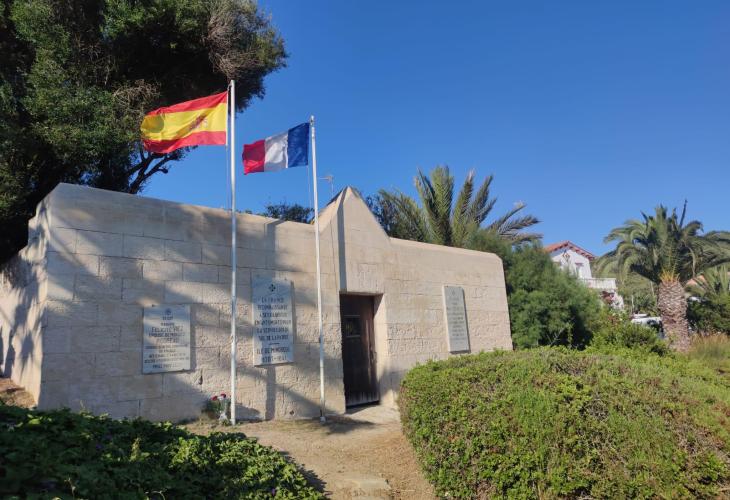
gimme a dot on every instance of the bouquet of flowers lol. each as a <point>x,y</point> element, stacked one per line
<point>219,404</point>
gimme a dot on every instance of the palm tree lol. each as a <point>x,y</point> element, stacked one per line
<point>669,253</point>
<point>713,284</point>
<point>442,220</point>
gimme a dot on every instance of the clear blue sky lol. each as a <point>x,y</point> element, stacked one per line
<point>589,112</point>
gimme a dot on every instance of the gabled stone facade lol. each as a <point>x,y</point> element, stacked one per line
<point>72,303</point>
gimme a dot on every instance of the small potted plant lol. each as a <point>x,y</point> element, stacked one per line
<point>218,406</point>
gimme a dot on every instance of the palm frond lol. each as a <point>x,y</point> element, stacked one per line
<point>409,223</point>
<point>460,215</point>
<point>441,219</point>
<point>663,247</point>
<point>482,204</point>
<point>431,192</point>
<point>507,223</point>
<point>714,283</point>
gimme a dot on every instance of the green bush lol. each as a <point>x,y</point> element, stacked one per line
<point>614,330</point>
<point>710,315</point>
<point>70,455</point>
<point>547,306</point>
<point>553,422</point>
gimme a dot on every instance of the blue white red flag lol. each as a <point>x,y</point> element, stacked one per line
<point>290,149</point>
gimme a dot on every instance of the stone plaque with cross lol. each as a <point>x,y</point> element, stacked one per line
<point>273,326</point>
<point>457,328</point>
<point>166,343</point>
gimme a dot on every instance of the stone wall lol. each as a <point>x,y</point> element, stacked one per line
<point>23,290</point>
<point>75,323</point>
<point>408,277</point>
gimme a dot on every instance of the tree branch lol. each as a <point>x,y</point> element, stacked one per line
<point>143,174</point>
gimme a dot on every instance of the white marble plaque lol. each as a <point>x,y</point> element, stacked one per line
<point>166,342</point>
<point>457,328</point>
<point>273,328</point>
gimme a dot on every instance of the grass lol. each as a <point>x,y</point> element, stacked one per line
<point>71,455</point>
<point>712,351</point>
<point>549,423</point>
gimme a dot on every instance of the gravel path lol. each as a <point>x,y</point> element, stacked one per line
<point>360,455</point>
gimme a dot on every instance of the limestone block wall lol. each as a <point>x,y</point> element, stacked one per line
<point>116,253</point>
<point>407,279</point>
<point>23,288</point>
<point>413,326</point>
<point>71,325</point>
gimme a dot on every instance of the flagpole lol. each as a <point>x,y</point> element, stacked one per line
<point>322,417</point>
<point>232,118</point>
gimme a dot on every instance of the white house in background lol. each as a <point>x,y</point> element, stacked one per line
<point>577,261</point>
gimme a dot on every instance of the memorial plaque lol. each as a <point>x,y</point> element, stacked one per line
<point>457,328</point>
<point>273,327</point>
<point>166,342</point>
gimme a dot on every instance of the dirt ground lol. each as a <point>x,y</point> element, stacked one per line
<point>11,394</point>
<point>360,455</point>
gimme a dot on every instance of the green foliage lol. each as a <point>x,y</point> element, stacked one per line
<point>76,78</point>
<point>613,329</point>
<point>668,252</point>
<point>709,312</point>
<point>712,351</point>
<point>663,248</point>
<point>288,211</point>
<point>714,283</point>
<point>385,213</point>
<point>443,220</point>
<point>69,455</point>
<point>710,315</point>
<point>638,292</point>
<point>547,306</point>
<point>552,422</point>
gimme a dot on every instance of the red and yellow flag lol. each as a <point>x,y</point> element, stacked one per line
<point>192,123</point>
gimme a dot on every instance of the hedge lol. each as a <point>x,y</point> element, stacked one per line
<point>552,422</point>
<point>71,455</point>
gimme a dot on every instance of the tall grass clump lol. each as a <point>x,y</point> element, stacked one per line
<point>553,422</point>
<point>712,351</point>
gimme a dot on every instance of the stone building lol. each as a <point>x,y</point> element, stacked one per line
<point>73,304</point>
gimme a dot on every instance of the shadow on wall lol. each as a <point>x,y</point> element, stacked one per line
<point>105,266</point>
<point>19,286</point>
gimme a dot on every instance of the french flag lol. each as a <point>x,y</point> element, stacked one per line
<point>290,149</point>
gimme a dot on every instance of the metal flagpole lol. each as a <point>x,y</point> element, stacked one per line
<point>232,118</point>
<point>319,277</point>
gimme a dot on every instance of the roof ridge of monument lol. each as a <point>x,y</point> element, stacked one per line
<point>459,250</point>
<point>108,192</point>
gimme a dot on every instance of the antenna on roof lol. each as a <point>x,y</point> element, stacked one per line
<point>331,179</point>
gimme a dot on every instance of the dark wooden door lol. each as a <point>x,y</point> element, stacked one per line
<point>358,350</point>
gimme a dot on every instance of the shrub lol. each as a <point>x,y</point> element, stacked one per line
<point>65,454</point>
<point>554,422</point>
<point>710,315</point>
<point>547,306</point>
<point>614,330</point>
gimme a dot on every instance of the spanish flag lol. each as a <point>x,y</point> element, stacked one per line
<point>192,123</point>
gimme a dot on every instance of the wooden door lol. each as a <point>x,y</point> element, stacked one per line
<point>358,350</point>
